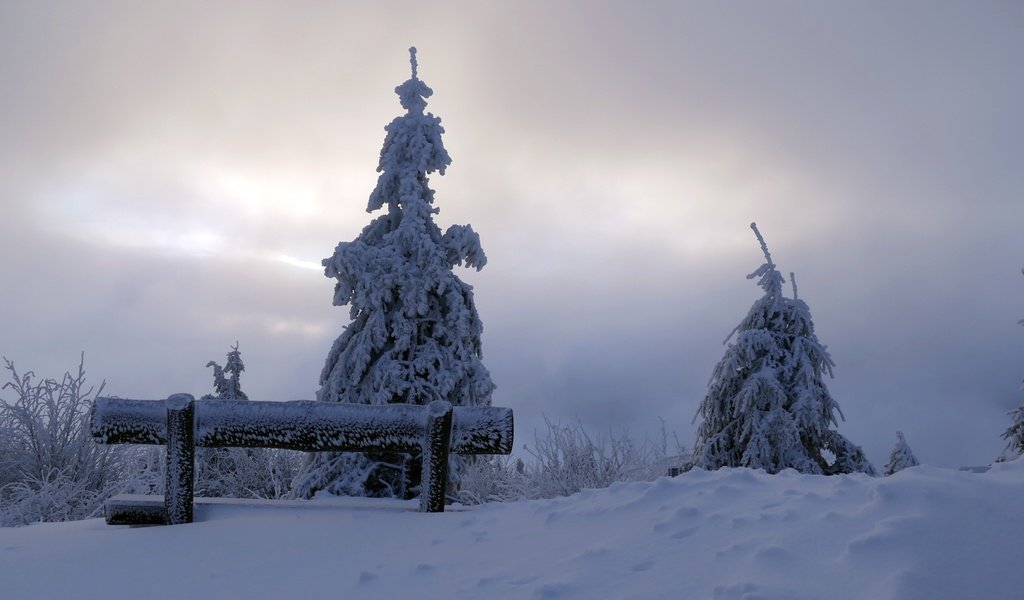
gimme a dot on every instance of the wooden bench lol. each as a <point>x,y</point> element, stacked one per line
<point>182,424</point>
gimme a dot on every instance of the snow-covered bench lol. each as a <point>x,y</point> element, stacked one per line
<point>182,424</point>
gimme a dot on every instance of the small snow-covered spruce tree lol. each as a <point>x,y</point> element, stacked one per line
<point>901,456</point>
<point>415,333</point>
<point>1014,434</point>
<point>767,406</point>
<point>231,472</point>
<point>228,387</point>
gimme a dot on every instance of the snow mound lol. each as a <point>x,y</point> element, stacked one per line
<point>923,533</point>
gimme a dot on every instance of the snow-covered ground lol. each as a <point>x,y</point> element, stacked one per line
<point>924,533</point>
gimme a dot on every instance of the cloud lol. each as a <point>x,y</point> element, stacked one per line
<point>171,178</point>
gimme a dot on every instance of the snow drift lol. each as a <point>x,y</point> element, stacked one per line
<point>923,533</point>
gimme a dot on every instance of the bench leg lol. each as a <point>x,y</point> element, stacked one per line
<point>435,456</point>
<point>179,472</point>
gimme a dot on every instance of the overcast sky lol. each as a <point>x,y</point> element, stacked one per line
<point>171,177</point>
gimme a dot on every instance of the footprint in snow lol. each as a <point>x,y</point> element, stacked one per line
<point>772,554</point>
<point>733,550</point>
<point>593,553</point>
<point>687,512</point>
<point>736,591</point>
<point>550,591</point>
<point>684,533</point>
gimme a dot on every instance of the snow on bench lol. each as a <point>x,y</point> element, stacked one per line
<point>182,424</point>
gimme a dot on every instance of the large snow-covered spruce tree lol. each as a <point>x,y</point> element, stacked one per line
<point>415,333</point>
<point>767,406</point>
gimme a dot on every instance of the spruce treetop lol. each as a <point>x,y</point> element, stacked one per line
<point>412,149</point>
<point>413,93</point>
<point>771,280</point>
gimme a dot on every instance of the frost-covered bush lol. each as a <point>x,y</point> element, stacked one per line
<point>246,472</point>
<point>415,332</point>
<point>492,479</point>
<point>50,468</point>
<point>55,497</point>
<point>564,460</point>
<point>767,405</point>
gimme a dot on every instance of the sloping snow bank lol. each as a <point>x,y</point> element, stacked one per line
<point>924,533</point>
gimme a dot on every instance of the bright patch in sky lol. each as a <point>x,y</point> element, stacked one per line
<point>259,197</point>
<point>298,262</point>
<point>104,219</point>
<point>200,214</point>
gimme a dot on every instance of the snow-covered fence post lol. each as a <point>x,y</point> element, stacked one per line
<point>435,456</point>
<point>179,473</point>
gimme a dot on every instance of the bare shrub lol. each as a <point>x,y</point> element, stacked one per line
<point>492,479</point>
<point>50,468</point>
<point>246,472</point>
<point>565,459</point>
